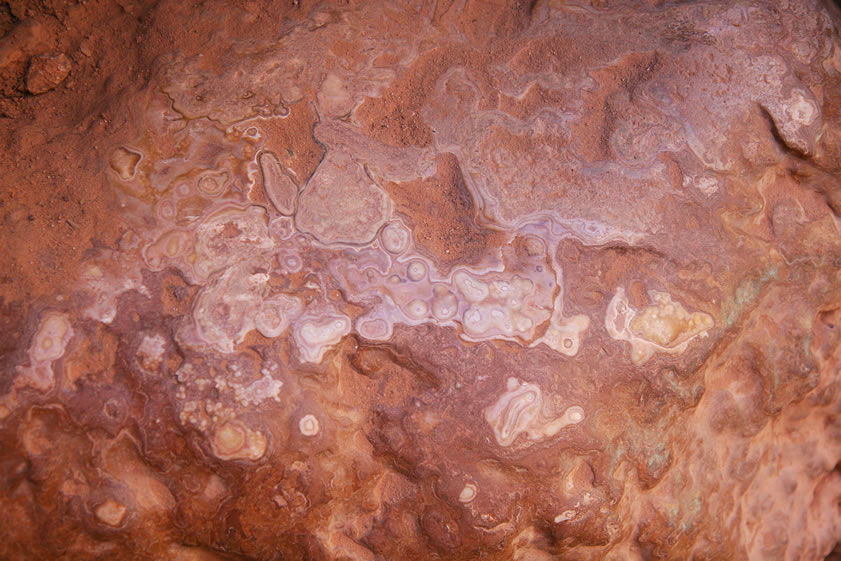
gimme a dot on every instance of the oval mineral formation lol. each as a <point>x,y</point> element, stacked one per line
<point>416,270</point>
<point>309,425</point>
<point>468,493</point>
<point>51,339</point>
<point>315,335</point>
<point>395,237</point>
<point>233,440</point>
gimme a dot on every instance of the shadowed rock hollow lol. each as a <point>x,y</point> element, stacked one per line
<point>420,280</point>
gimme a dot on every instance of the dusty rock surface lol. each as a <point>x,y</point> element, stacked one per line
<point>46,72</point>
<point>420,280</point>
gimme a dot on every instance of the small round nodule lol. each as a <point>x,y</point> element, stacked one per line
<point>417,309</point>
<point>468,493</point>
<point>309,425</point>
<point>395,237</point>
<point>213,184</point>
<point>444,303</point>
<point>252,133</point>
<point>575,414</point>
<point>416,270</point>
<point>229,439</point>
<point>374,328</point>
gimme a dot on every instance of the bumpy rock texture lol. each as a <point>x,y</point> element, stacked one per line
<point>420,280</point>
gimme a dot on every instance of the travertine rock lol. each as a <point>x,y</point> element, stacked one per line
<point>424,280</point>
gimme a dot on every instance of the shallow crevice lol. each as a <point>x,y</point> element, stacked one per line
<point>778,137</point>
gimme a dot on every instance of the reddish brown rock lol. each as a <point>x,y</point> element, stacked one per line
<point>380,280</point>
<point>46,72</point>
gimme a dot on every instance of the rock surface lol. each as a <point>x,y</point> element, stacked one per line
<point>46,72</point>
<point>421,280</point>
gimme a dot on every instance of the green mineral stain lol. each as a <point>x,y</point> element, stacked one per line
<point>658,458</point>
<point>617,452</point>
<point>684,515</point>
<point>693,510</point>
<point>746,294</point>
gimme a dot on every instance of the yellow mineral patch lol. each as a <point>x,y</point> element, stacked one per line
<point>235,441</point>
<point>111,512</point>
<point>124,162</point>
<point>667,323</point>
<point>51,339</point>
<point>229,439</point>
<point>664,326</point>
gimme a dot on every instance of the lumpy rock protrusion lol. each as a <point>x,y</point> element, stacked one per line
<point>520,410</point>
<point>664,326</point>
<point>315,335</point>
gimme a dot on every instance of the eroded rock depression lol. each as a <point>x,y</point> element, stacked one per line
<point>424,280</point>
